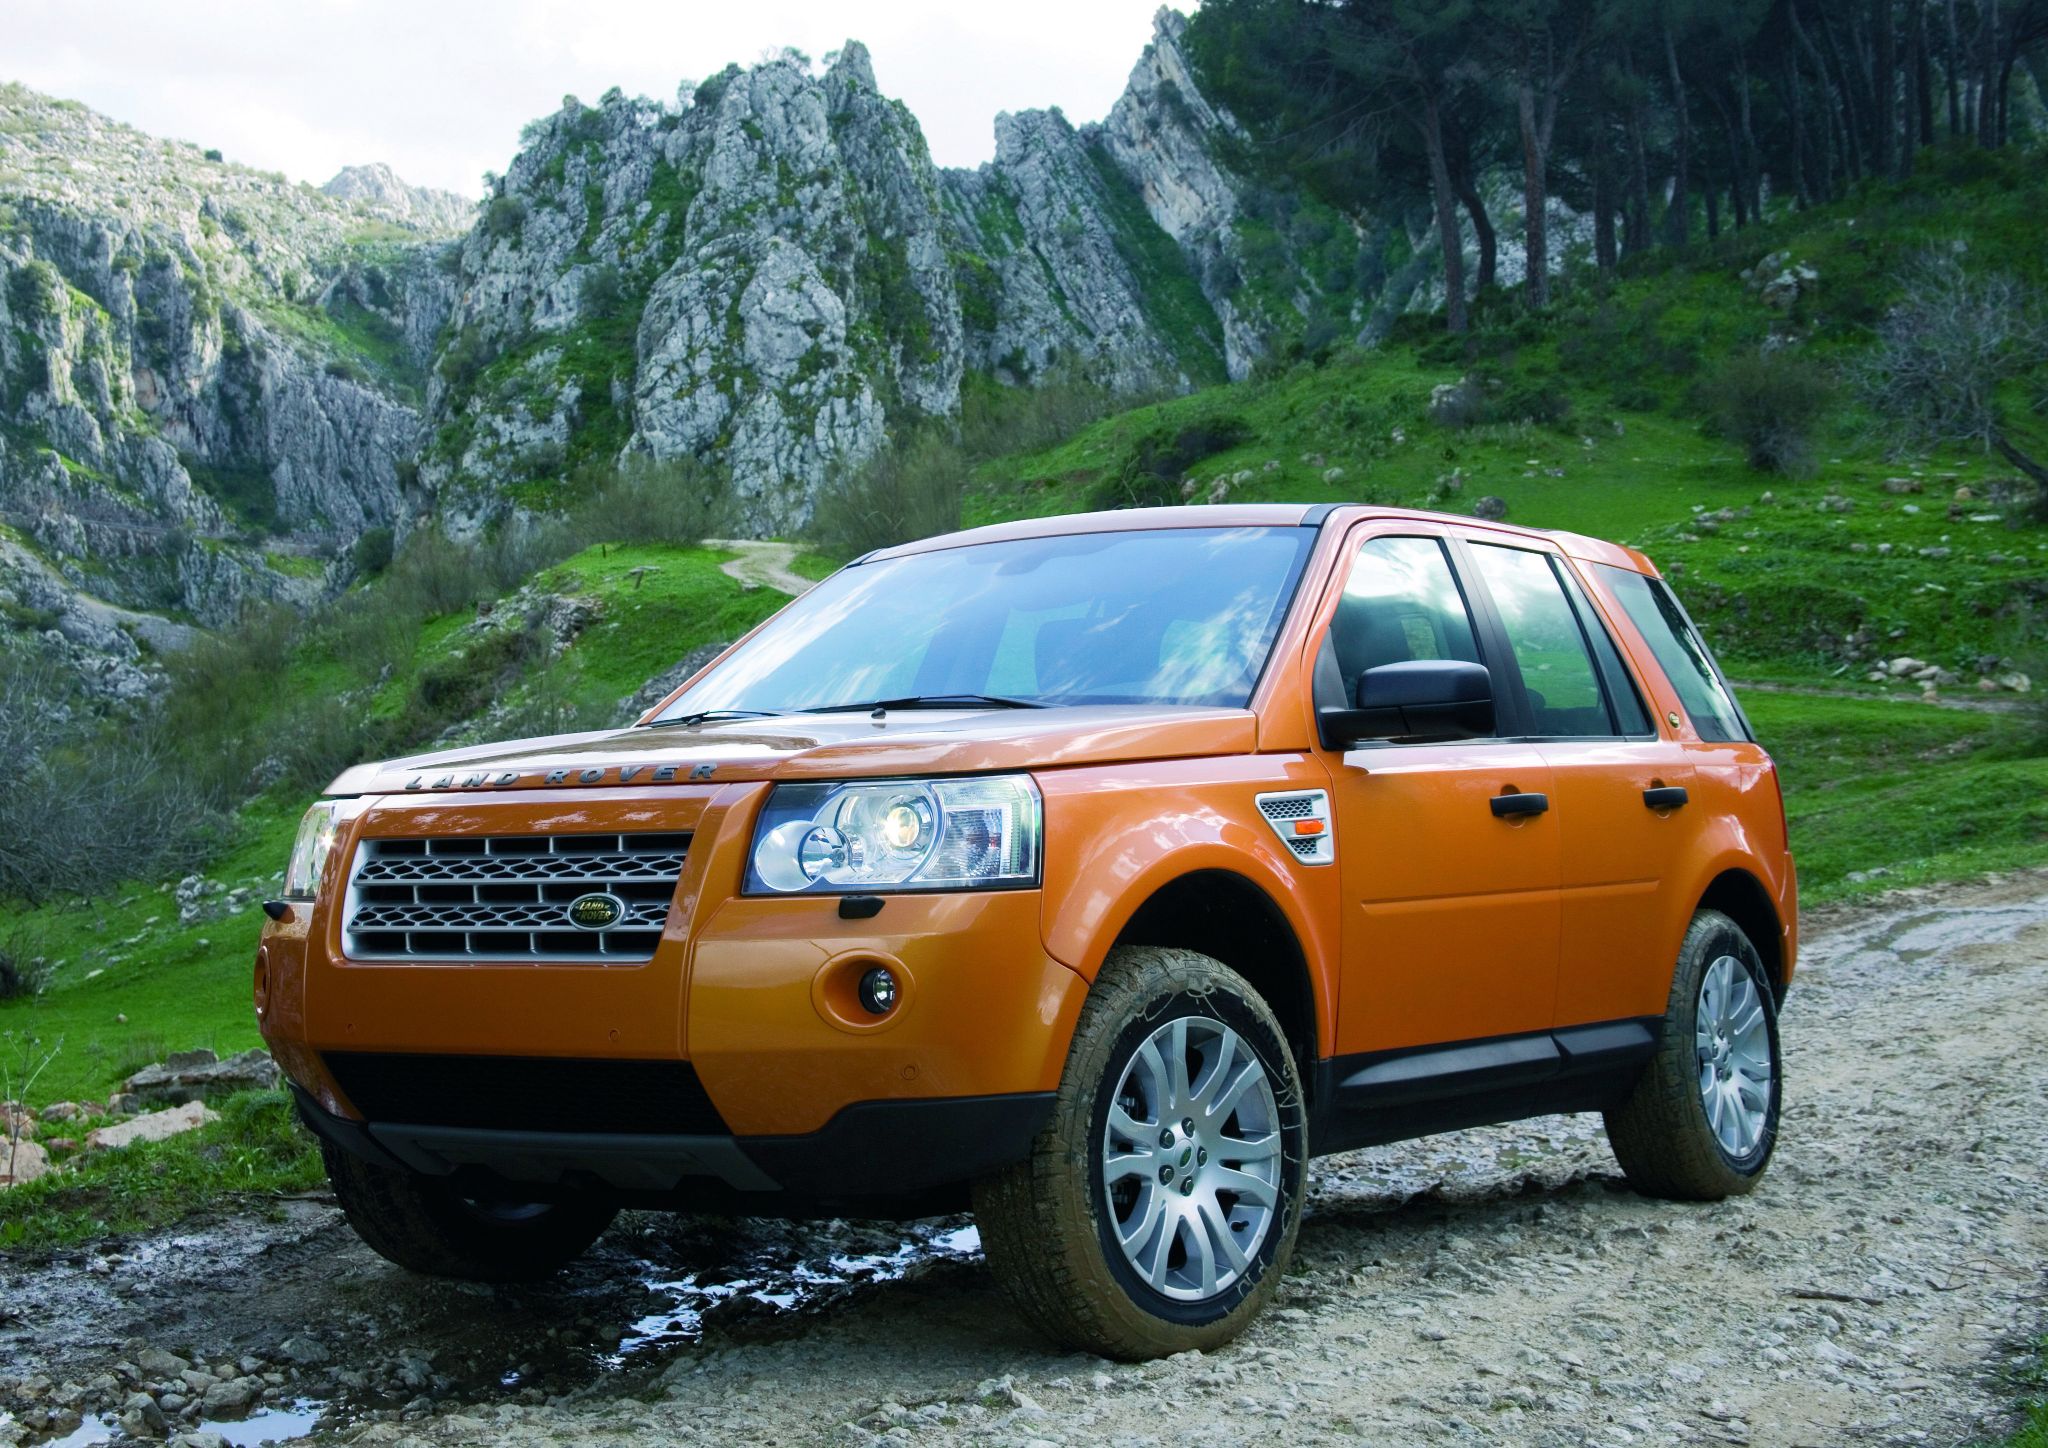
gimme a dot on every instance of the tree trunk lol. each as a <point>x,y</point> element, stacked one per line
<point>1635,221</point>
<point>1795,112</point>
<point>1711,195</point>
<point>1830,145</point>
<point>1677,219</point>
<point>2002,445</point>
<point>1430,120</point>
<point>1535,199</point>
<point>1603,208</point>
<point>1482,228</point>
<point>1884,89</point>
<point>1950,62</point>
<point>1923,75</point>
<point>1845,88</point>
<point>1985,83</point>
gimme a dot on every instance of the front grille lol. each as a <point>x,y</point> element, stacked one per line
<point>527,1093</point>
<point>507,897</point>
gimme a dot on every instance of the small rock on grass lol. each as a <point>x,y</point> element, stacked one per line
<point>21,1160</point>
<point>154,1127</point>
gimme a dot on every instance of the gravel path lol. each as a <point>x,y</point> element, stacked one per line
<point>1498,1286</point>
<point>768,565</point>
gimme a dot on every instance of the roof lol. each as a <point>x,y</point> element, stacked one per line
<point>1255,515</point>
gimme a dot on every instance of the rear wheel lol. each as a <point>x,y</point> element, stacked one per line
<point>1158,1208</point>
<point>1703,1119</point>
<point>423,1224</point>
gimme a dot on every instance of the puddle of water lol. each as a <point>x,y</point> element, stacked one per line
<point>278,1423</point>
<point>770,1279</point>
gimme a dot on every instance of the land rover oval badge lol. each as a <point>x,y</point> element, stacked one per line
<point>596,912</point>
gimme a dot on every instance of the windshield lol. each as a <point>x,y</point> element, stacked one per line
<point>1166,616</point>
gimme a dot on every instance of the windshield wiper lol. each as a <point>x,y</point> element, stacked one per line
<point>928,701</point>
<point>712,716</point>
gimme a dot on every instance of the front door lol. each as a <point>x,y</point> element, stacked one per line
<point>1451,897</point>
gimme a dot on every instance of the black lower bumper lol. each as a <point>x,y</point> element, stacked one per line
<point>872,1151</point>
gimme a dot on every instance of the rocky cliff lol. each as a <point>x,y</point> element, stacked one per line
<point>212,382</point>
<point>207,379</point>
<point>770,274</point>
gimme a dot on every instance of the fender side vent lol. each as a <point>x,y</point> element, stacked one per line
<point>1301,818</point>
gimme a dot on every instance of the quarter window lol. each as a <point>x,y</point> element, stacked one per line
<point>1680,653</point>
<point>1558,676</point>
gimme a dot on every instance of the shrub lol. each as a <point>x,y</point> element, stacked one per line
<point>1161,456</point>
<point>372,551</point>
<point>21,974</point>
<point>1770,403</point>
<point>503,217</point>
<point>909,490</point>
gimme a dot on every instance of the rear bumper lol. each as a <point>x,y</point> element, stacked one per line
<point>869,1151</point>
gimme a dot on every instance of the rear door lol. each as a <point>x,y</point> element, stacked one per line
<point>1621,790</point>
<point>1451,904</point>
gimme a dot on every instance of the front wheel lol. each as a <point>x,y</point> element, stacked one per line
<point>425,1225</point>
<point>1703,1119</point>
<point>1159,1207</point>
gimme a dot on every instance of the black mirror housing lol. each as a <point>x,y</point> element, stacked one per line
<point>1418,700</point>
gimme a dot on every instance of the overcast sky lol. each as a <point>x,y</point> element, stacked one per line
<point>440,88</point>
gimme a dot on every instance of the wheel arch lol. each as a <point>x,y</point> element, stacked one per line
<point>1230,917</point>
<point>1742,897</point>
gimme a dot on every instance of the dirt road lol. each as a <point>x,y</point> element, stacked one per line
<point>1497,1287</point>
<point>768,565</point>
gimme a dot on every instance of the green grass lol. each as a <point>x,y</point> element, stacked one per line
<point>255,1152</point>
<point>2032,1385</point>
<point>1901,792</point>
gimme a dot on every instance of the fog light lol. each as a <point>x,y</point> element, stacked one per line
<point>878,991</point>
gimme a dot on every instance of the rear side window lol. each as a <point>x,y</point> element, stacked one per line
<point>1680,653</point>
<point>1558,674</point>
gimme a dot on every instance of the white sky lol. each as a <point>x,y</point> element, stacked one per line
<point>440,88</point>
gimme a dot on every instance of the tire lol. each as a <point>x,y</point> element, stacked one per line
<point>422,1224</point>
<point>1052,1224</point>
<point>1672,1137</point>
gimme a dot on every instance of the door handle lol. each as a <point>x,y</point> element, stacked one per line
<point>1669,796</point>
<point>1506,806</point>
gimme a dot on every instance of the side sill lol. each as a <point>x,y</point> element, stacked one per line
<point>1381,1096</point>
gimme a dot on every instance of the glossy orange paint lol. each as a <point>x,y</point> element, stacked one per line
<point>1438,922</point>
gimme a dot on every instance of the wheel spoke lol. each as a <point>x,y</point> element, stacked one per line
<point>1201,1260</point>
<point>1125,1127</point>
<point>1217,1225</point>
<point>1177,1089</point>
<point>1216,1072</point>
<point>1126,1164</point>
<point>1245,1150</point>
<point>1228,1179</point>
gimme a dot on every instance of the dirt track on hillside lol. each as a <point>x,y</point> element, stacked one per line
<point>1501,1286</point>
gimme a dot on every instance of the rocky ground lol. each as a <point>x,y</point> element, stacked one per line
<point>1500,1286</point>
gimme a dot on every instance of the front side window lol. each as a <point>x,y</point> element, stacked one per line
<point>1159,616</point>
<point>1680,653</point>
<point>1558,676</point>
<point>1400,602</point>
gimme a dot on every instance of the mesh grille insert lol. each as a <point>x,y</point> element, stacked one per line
<point>527,1093</point>
<point>507,897</point>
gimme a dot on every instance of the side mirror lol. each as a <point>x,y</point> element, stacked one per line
<point>1420,700</point>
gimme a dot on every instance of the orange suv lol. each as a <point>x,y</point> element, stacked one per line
<point>1093,871</point>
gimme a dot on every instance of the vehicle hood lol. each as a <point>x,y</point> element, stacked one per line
<point>822,746</point>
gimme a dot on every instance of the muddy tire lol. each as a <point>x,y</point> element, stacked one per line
<point>1703,1119</point>
<point>423,1224</point>
<point>1158,1208</point>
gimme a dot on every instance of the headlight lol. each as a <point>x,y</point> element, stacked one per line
<point>939,834</point>
<point>315,842</point>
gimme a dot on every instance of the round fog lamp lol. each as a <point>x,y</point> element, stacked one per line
<point>878,991</point>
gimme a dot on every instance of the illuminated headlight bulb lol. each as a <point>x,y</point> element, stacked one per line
<point>903,827</point>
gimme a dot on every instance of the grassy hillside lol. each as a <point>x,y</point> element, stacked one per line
<point>127,982</point>
<point>1595,417</point>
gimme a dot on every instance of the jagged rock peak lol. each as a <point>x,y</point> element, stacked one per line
<point>379,191</point>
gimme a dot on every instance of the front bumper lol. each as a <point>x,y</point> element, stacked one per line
<point>873,1151</point>
<point>790,1086</point>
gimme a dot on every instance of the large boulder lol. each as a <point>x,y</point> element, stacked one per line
<point>201,1075</point>
<point>21,1160</point>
